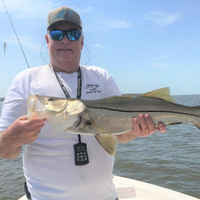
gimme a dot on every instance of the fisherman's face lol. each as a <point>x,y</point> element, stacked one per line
<point>65,52</point>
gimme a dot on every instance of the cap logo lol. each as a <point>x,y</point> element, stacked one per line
<point>63,13</point>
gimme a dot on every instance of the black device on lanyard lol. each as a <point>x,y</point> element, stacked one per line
<point>80,149</point>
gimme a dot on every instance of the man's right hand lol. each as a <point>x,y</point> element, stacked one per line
<point>22,131</point>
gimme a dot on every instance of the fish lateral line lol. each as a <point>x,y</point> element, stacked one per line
<point>139,111</point>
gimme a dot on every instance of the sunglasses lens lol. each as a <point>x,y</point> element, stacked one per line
<point>57,35</point>
<point>73,35</point>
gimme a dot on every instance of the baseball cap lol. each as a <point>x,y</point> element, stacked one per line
<point>63,14</point>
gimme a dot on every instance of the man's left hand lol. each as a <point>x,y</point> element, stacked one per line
<point>143,126</point>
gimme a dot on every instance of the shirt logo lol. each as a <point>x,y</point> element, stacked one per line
<point>92,88</point>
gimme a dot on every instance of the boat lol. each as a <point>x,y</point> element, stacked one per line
<point>129,189</point>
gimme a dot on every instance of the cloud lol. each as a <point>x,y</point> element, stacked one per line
<point>117,24</point>
<point>31,9</point>
<point>99,20</point>
<point>162,18</point>
<point>98,46</point>
<point>161,62</point>
<point>106,24</point>
<point>23,9</point>
<point>82,10</point>
<point>30,43</point>
<point>26,42</point>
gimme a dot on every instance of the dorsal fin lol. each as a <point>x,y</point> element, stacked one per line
<point>162,93</point>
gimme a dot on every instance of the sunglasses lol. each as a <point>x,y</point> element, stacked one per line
<point>58,35</point>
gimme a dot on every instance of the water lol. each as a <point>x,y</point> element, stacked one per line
<point>170,160</point>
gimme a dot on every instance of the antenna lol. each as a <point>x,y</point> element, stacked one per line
<point>16,34</point>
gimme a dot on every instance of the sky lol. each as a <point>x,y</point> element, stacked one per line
<point>144,44</point>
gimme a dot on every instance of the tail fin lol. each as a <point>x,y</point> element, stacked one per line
<point>196,119</point>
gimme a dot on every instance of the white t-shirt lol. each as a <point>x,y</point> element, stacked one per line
<point>48,162</point>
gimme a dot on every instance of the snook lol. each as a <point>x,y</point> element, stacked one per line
<point>110,116</point>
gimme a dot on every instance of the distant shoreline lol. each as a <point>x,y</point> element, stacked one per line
<point>137,94</point>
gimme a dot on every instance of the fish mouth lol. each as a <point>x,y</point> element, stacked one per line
<point>80,119</point>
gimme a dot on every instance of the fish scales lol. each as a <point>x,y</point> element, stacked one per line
<point>141,104</point>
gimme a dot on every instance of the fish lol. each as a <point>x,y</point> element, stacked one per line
<point>105,118</point>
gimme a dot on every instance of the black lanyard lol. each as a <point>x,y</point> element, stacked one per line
<point>80,149</point>
<point>79,84</point>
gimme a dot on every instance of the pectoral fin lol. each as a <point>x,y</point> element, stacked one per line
<point>108,142</point>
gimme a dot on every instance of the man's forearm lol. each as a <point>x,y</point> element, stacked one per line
<point>5,150</point>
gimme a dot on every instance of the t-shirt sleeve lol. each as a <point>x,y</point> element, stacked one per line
<point>14,104</point>
<point>111,87</point>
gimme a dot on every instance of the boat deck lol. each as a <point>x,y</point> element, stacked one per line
<point>129,189</point>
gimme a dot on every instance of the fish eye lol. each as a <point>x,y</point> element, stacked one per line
<point>51,99</point>
<point>88,123</point>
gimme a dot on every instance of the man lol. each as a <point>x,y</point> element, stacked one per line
<point>49,162</point>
